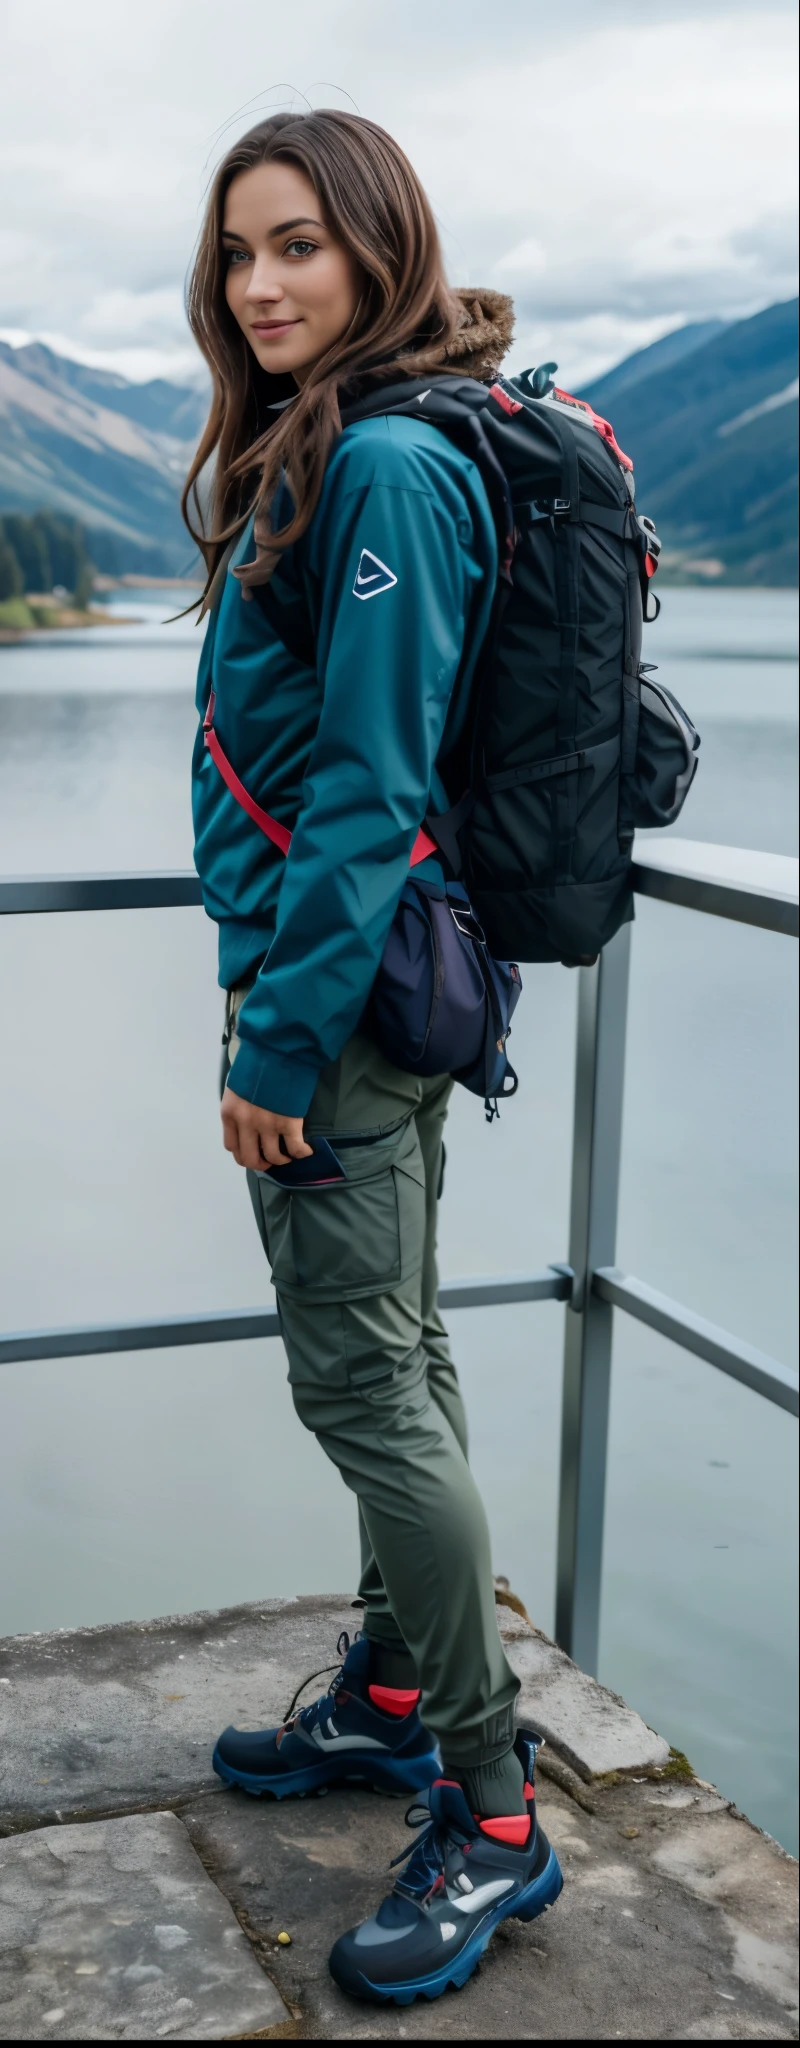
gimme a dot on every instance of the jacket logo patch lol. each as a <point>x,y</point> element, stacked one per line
<point>372,576</point>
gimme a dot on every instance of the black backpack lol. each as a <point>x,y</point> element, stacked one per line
<point>572,745</point>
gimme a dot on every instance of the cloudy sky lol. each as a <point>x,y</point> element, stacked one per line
<point>618,167</point>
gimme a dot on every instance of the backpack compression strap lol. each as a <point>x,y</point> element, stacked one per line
<point>278,834</point>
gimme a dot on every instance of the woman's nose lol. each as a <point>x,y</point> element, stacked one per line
<point>262,283</point>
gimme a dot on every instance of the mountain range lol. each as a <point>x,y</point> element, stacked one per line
<point>709,415</point>
<point>107,452</point>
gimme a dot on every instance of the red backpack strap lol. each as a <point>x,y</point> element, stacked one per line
<point>278,834</point>
<point>422,847</point>
<point>601,426</point>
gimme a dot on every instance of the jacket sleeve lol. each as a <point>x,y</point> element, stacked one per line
<point>398,574</point>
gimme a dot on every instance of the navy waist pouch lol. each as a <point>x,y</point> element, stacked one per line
<point>441,1003</point>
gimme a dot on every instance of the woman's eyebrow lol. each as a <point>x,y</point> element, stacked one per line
<point>304,220</point>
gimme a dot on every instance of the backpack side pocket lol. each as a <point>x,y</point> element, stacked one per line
<point>666,756</point>
<point>631,706</point>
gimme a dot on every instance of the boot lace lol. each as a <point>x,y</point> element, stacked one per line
<point>428,1860</point>
<point>321,1708</point>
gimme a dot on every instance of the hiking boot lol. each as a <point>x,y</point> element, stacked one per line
<point>464,1875</point>
<point>358,1733</point>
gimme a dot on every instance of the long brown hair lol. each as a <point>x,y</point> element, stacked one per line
<point>374,203</point>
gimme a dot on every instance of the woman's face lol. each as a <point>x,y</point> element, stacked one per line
<point>292,287</point>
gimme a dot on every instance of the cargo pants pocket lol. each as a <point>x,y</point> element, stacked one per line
<point>359,1240</point>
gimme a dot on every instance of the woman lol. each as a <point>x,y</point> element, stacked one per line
<point>350,583</point>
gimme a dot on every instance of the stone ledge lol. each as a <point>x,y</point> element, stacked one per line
<point>677,1920</point>
<point>121,1719</point>
<point>590,1727</point>
<point>633,1950</point>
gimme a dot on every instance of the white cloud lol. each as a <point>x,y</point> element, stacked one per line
<point>121,313</point>
<point>619,169</point>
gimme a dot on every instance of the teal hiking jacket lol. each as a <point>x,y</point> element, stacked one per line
<point>397,570</point>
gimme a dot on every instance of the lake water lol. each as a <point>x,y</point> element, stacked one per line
<point>149,1484</point>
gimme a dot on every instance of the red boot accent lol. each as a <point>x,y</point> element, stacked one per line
<point>392,1701</point>
<point>528,1791</point>
<point>513,1828</point>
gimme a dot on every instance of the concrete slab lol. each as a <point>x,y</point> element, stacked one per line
<point>736,1869</point>
<point>113,1932</point>
<point>105,1720</point>
<point>640,1946</point>
<point>677,1920</point>
<point>108,1719</point>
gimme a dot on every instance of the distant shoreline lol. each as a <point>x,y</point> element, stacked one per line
<point>132,582</point>
<point>70,621</point>
<point>67,618</point>
<point>36,617</point>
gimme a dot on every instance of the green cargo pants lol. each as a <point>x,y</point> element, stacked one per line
<point>355,1276</point>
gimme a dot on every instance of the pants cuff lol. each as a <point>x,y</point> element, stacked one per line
<point>482,1745</point>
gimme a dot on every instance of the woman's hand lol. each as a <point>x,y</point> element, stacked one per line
<point>253,1135</point>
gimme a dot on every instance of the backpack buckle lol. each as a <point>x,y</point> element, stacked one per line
<point>649,535</point>
<point>467,923</point>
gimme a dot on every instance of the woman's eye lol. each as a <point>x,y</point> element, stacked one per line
<point>236,256</point>
<point>300,247</point>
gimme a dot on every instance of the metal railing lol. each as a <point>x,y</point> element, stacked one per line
<point>751,888</point>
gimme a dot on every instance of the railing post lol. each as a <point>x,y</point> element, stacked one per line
<point>596,1148</point>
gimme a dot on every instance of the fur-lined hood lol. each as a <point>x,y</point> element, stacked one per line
<point>484,336</point>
